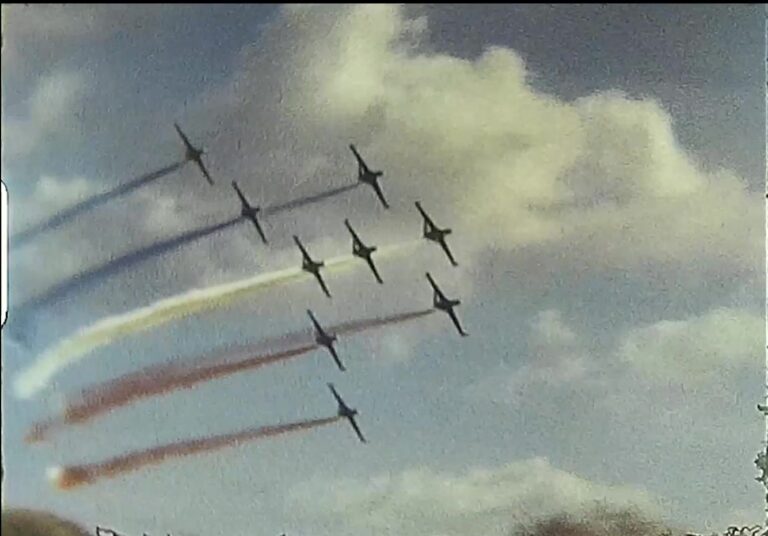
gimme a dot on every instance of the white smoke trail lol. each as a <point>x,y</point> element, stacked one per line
<point>105,331</point>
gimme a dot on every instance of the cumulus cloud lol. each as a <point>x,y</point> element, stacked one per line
<point>45,30</point>
<point>50,195</point>
<point>422,501</point>
<point>601,179</point>
<point>556,358</point>
<point>698,349</point>
<point>48,111</point>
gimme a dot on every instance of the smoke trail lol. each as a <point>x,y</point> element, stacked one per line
<point>110,329</point>
<point>77,475</point>
<point>71,213</point>
<point>152,382</point>
<point>362,325</point>
<point>105,331</point>
<point>87,278</point>
<point>296,203</point>
<point>161,379</point>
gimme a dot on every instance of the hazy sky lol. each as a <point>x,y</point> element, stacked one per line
<point>601,168</point>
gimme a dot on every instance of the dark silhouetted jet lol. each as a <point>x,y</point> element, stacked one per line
<point>371,178</point>
<point>313,267</point>
<point>364,252</point>
<point>193,154</point>
<point>249,211</point>
<point>441,303</point>
<point>324,339</point>
<point>435,234</point>
<point>347,412</point>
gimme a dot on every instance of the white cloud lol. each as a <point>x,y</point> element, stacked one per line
<point>421,501</point>
<point>556,358</point>
<point>698,349</point>
<point>46,29</point>
<point>549,330</point>
<point>610,181</point>
<point>49,111</point>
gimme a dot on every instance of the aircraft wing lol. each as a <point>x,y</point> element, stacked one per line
<point>359,158</point>
<point>200,164</point>
<point>353,233</point>
<point>425,215</point>
<point>336,395</point>
<point>322,284</point>
<point>314,321</point>
<point>357,429</point>
<point>434,285</point>
<point>243,200</point>
<point>374,270</point>
<point>336,357</point>
<point>258,228</point>
<point>379,193</point>
<point>444,245</point>
<point>456,323</point>
<point>183,137</point>
<point>301,247</point>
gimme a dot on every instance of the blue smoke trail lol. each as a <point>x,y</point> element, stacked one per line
<point>71,213</point>
<point>296,203</point>
<point>87,278</point>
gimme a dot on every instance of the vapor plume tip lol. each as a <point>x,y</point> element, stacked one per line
<point>36,434</point>
<point>54,474</point>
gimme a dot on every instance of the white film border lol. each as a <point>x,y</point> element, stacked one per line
<point>3,252</point>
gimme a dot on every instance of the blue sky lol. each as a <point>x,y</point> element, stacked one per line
<point>601,169</point>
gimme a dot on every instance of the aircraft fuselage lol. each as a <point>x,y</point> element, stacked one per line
<point>362,251</point>
<point>445,305</point>
<point>436,235</point>
<point>324,339</point>
<point>311,266</point>
<point>248,211</point>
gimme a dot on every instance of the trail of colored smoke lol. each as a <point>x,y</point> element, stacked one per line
<point>87,278</point>
<point>296,203</point>
<point>107,330</point>
<point>71,213</point>
<point>131,389</point>
<point>168,377</point>
<point>362,325</point>
<point>78,475</point>
<point>110,329</point>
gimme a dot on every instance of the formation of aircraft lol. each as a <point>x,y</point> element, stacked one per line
<point>347,412</point>
<point>194,154</point>
<point>441,303</point>
<point>324,339</point>
<point>371,178</point>
<point>249,211</point>
<point>311,266</point>
<point>364,252</point>
<point>435,234</point>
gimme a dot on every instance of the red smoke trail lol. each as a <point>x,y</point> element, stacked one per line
<point>152,381</point>
<point>161,379</point>
<point>77,475</point>
<point>361,325</point>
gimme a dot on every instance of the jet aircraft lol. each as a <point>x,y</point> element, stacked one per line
<point>311,266</point>
<point>347,412</point>
<point>193,154</point>
<point>324,339</point>
<point>249,211</point>
<point>371,178</point>
<point>364,252</point>
<point>441,303</point>
<point>435,234</point>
